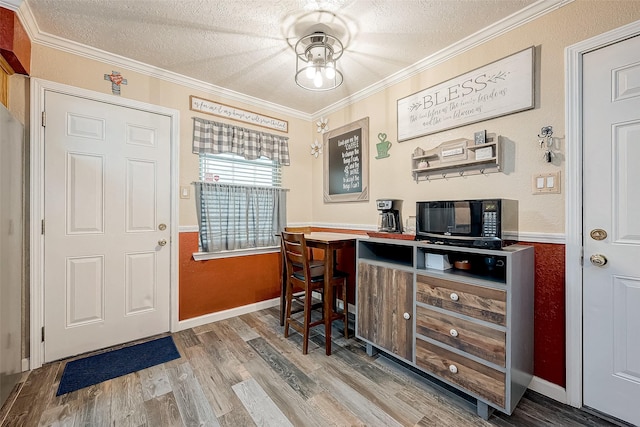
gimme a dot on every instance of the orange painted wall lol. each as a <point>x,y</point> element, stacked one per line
<point>549,312</point>
<point>15,45</point>
<point>210,286</point>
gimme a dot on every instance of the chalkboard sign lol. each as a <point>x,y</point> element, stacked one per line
<point>346,163</point>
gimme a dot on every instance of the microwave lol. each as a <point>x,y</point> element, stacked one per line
<point>473,223</point>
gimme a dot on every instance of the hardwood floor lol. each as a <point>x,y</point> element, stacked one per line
<point>243,372</point>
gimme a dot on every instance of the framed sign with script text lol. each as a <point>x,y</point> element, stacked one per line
<point>502,87</point>
<point>222,110</point>
<point>346,163</point>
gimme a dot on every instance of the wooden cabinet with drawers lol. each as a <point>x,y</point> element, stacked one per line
<point>472,328</point>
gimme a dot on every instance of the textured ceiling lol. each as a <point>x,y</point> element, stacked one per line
<point>246,46</point>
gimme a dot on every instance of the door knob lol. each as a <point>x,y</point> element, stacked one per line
<point>598,260</point>
<point>162,227</point>
<point>406,316</point>
<point>162,242</point>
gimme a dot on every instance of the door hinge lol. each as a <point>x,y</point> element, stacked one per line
<point>44,119</point>
<point>42,333</point>
<point>582,257</point>
<point>42,226</point>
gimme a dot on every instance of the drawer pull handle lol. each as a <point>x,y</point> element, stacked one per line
<point>453,333</point>
<point>453,369</point>
<point>406,316</point>
<point>454,296</point>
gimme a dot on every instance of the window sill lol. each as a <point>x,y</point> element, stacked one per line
<point>203,256</point>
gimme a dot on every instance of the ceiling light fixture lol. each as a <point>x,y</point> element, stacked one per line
<point>316,56</point>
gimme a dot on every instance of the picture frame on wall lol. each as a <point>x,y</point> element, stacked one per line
<point>346,163</point>
<point>502,87</point>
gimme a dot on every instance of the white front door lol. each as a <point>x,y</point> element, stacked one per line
<point>611,307</point>
<point>107,216</point>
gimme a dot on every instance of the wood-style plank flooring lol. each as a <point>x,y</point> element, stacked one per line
<point>243,372</point>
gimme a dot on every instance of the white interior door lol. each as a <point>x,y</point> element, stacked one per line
<point>107,214</point>
<point>611,132</point>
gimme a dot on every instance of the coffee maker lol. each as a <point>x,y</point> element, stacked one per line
<point>389,218</point>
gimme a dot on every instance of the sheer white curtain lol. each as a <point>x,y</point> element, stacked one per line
<point>239,217</point>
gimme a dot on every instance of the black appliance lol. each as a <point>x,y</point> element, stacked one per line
<point>389,221</point>
<point>481,223</point>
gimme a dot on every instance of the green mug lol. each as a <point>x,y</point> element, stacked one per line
<point>383,146</point>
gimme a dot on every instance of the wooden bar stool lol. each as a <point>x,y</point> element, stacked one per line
<point>303,278</point>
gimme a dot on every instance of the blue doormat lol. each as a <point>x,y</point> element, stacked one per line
<point>92,370</point>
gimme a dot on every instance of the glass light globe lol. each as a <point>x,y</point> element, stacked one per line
<point>330,71</point>
<point>310,72</point>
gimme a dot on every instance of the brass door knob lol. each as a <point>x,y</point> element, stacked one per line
<point>598,260</point>
<point>162,242</point>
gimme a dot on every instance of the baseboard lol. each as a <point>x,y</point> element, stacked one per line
<point>226,314</point>
<point>549,389</point>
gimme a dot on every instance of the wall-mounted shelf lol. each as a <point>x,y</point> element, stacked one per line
<point>459,157</point>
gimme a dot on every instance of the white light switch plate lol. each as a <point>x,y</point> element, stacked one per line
<point>185,192</point>
<point>546,183</point>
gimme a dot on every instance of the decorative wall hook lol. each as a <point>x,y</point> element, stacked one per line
<point>545,132</point>
<point>545,139</point>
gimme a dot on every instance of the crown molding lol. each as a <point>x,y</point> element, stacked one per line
<point>528,14</point>
<point>49,40</point>
<point>507,24</point>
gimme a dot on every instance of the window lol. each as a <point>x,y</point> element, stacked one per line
<point>233,169</point>
<point>240,203</point>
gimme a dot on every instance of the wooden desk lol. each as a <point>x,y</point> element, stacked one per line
<point>329,242</point>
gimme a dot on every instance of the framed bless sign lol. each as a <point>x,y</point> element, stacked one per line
<point>502,87</point>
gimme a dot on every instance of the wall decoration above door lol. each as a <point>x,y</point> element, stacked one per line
<point>228,112</point>
<point>502,87</point>
<point>116,80</point>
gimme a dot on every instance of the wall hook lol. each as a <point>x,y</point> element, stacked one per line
<point>546,135</point>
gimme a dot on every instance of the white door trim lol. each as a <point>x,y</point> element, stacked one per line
<point>36,199</point>
<point>573,201</point>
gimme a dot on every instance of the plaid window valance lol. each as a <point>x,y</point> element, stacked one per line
<point>214,138</point>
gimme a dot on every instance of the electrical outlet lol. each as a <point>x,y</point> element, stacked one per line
<point>546,183</point>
